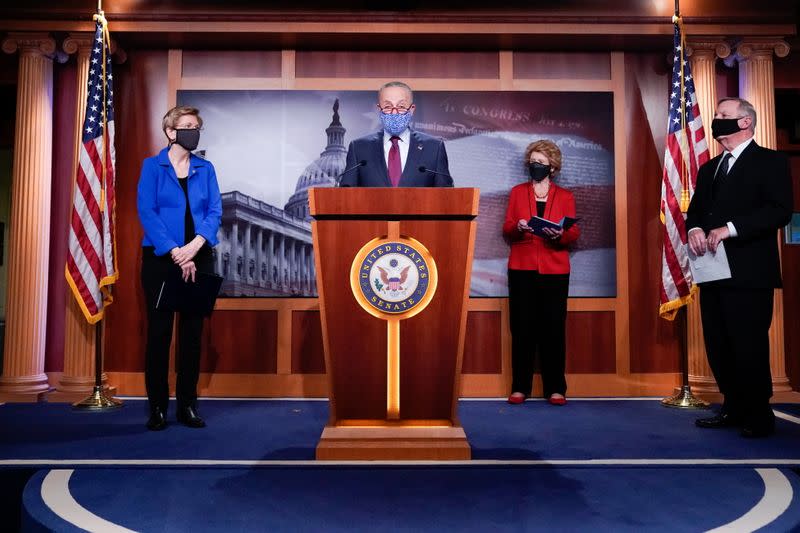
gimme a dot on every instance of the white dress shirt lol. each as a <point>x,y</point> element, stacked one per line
<point>735,153</point>
<point>402,144</point>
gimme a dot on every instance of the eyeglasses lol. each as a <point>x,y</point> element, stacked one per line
<point>395,110</point>
<point>199,128</point>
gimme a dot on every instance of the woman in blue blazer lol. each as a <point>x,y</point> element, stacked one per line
<point>180,210</point>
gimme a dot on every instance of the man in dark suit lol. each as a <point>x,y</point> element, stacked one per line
<point>396,156</point>
<point>743,197</point>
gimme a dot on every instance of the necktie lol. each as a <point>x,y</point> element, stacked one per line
<point>395,167</point>
<point>722,173</point>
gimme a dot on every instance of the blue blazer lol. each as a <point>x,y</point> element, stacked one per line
<point>162,204</point>
<point>423,150</point>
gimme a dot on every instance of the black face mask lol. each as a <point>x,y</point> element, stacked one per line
<point>725,126</point>
<point>188,138</point>
<point>538,171</point>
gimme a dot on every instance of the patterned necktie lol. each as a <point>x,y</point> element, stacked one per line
<point>722,173</point>
<point>395,166</point>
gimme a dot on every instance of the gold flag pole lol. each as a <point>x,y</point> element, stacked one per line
<point>98,401</point>
<point>684,398</point>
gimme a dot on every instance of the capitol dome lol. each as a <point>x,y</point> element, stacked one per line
<point>323,171</point>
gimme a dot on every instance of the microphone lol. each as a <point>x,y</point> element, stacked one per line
<point>423,169</point>
<point>361,163</point>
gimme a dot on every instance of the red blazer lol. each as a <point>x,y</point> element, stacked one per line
<point>529,252</point>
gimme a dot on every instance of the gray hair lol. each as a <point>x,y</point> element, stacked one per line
<point>397,84</point>
<point>745,107</point>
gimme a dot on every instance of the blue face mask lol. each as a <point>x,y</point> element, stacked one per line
<point>394,124</point>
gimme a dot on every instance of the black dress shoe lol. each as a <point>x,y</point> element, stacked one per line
<point>721,420</point>
<point>188,417</point>
<point>157,420</point>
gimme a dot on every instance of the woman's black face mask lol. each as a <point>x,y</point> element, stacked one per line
<point>187,138</point>
<point>538,171</point>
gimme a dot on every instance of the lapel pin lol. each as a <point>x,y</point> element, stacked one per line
<point>419,147</point>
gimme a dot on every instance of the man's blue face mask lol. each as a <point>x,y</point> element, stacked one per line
<point>395,123</point>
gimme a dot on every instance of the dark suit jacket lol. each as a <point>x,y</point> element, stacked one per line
<point>423,150</point>
<point>756,197</point>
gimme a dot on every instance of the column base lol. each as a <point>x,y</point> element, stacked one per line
<point>24,389</point>
<point>392,443</point>
<point>703,384</point>
<point>781,385</point>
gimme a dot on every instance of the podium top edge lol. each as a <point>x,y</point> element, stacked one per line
<point>387,202</point>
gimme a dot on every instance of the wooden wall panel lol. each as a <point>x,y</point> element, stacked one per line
<point>791,291</point>
<point>231,64</point>
<point>562,65</point>
<point>140,92</point>
<point>240,342</point>
<point>483,343</point>
<point>65,100</point>
<point>591,344</point>
<point>380,64</point>
<point>308,356</point>
<point>653,340</point>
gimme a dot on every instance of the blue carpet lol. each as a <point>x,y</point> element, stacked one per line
<point>289,430</point>
<point>466,499</point>
<point>788,408</point>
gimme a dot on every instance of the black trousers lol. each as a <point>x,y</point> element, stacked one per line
<point>538,308</point>
<point>159,335</point>
<point>736,332</point>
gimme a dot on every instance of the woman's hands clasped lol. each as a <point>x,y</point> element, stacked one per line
<point>188,271</point>
<point>186,253</point>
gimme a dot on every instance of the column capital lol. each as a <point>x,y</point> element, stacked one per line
<point>80,42</point>
<point>30,43</point>
<point>761,48</point>
<point>707,47</point>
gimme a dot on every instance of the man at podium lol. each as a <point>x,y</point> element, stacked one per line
<point>396,156</point>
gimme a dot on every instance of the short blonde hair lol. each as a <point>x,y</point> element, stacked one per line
<point>174,114</point>
<point>549,149</point>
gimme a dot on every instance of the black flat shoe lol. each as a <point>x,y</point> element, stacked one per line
<point>188,417</point>
<point>722,420</point>
<point>157,420</point>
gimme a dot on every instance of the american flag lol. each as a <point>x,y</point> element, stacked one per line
<point>686,151</point>
<point>91,265</point>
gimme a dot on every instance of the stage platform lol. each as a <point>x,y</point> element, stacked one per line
<point>592,465</point>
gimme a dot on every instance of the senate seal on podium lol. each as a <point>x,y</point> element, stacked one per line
<point>393,278</point>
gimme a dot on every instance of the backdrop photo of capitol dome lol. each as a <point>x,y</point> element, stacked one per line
<point>270,147</point>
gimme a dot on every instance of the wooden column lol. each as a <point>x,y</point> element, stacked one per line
<point>23,376</point>
<point>757,85</point>
<point>703,53</point>
<point>77,380</point>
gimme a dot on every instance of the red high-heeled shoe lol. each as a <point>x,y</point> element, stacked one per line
<point>516,398</point>
<point>557,401</point>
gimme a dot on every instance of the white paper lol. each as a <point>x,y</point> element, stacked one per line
<point>709,266</point>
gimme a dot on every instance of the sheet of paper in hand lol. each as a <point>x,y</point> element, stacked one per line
<point>710,266</point>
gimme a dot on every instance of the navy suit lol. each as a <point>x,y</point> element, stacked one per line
<point>756,196</point>
<point>423,150</point>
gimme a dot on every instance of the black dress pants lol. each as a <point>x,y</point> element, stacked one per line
<point>538,309</point>
<point>736,332</point>
<point>159,335</point>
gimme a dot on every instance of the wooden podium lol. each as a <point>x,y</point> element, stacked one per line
<point>393,274</point>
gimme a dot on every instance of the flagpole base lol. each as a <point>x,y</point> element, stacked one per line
<point>685,400</point>
<point>97,401</point>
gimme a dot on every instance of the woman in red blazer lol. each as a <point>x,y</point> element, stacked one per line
<point>538,275</point>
